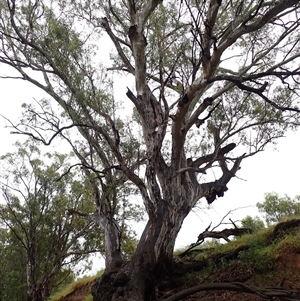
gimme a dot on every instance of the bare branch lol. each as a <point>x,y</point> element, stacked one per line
<point>115,40</point>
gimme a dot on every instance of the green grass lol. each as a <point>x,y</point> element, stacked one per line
<point>73,286</point>
<point>289,244</point>
<point>261,255</point>
<point>88,298</point>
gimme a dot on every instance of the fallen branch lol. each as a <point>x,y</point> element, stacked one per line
<point>225,233</point>
<point>183,268</point>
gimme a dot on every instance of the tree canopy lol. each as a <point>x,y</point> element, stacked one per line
<point>276,207</point>
<point>253,223</point>
<point>215,82</point>
<point>42,243</point>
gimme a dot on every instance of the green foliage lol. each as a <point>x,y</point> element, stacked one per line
<point>39,236</point>
<point>37,227</point>
<point>260,259</point>
<point>260,255</point>
<point>275,208</point>
<point>192,96</point>
<point>253,223</point>
<point>12,262</point>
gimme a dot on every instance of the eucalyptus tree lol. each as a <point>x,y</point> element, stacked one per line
<point>214,83</point>
<point>42,243</point>
<point>276,207</point>
<point>253,223</point>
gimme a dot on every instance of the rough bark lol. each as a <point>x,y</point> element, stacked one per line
<point>137,279</point>
<point>225,233</point>
<point>113,254</point>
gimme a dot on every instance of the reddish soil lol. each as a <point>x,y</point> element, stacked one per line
<point>79,294</point>
<point>286,276</point>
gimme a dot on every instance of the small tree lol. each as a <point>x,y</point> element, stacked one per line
<point>253,223</point>
<point>42,243</point>
<point>275,207</point>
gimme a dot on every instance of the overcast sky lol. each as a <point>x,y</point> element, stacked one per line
<point>269,171</point>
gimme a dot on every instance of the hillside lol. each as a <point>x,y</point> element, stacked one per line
<point>266,263</point>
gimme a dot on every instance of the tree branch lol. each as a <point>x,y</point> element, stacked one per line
<point>147,10</point>
<point>266,99</point>
<point>125,60</point>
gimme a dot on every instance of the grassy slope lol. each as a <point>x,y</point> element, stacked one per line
<point>268,260</point>
<point>76,291</point>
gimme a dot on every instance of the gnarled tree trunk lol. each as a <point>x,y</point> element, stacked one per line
<point>137,279</point>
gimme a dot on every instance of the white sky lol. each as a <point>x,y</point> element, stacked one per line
<point>270,171</point>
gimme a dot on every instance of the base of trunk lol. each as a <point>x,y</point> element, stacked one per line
<point>138,279</point>
<point>106,287</point>
<point>130,283</point>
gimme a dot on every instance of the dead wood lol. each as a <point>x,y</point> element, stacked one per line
<point>225,233</point>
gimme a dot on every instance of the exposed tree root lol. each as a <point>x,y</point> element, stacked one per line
<point>265,293</point>
<point>231,254</point>
<point>283,227</point>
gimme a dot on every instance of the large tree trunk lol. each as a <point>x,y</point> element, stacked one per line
<point>137,280</point>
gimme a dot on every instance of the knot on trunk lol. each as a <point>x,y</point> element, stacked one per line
<point>132,30</point>
<point>216,192</point>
